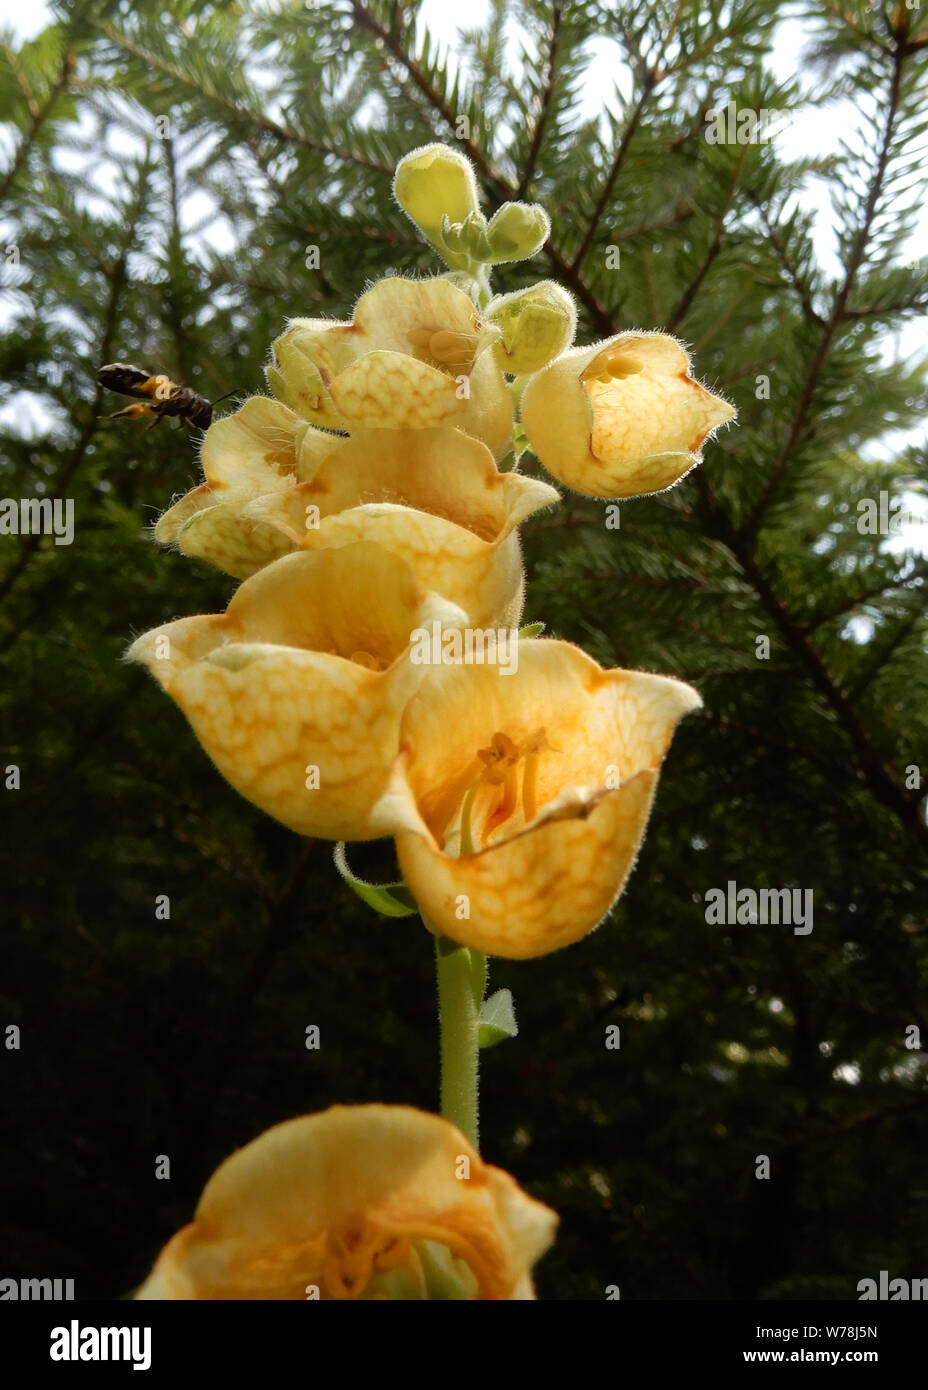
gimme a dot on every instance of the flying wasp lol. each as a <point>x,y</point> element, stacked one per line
<point>157,396</point>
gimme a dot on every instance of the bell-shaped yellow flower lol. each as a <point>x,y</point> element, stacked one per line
<point>296,691</point>
<point>522,796</point>
<point>434,497</point>
<point>366,1202</point>
<point>414,356</point>
<point>622,417</point>
<point>262,447</point>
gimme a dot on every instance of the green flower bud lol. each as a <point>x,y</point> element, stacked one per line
<point>536,326</point>
<point>517,231</point>
<point>435,185</point>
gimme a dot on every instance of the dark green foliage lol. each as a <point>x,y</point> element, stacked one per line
<point>185,1037</point>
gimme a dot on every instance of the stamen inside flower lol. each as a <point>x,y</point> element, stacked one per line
<point>444,347</point>
<point>614,365</point>
<point>501,761</point>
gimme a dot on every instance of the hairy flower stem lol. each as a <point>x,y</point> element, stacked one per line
<point>484,290</point>
<point>462,982</point>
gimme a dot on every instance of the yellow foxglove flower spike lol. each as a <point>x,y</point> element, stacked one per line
<point>414,356</point>
<point>622,417</point>
<point>519,830</point>
<point>434,497</point>
<point>296,691</point>
<point>367,1202</point>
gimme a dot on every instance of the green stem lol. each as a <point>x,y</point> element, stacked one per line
<point>462,982</point>
<point>484,289</point>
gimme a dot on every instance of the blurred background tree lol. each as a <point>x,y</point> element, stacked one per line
<point>168,168</point>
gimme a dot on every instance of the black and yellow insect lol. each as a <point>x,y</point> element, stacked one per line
<point>157,396</point>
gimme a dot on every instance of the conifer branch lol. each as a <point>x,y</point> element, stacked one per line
<point>857,600</point>
<point>570,275</point>
<point>837,316</point>
<point>528,173</point>
<point>748,369</point>
<point>682,307</point>
<point>681,213</point>
<point>435,99</point>
<point>882,779</point>
<point>648,581</point>
<point>795,279</point>
<point>649,81</point>
<point>884,651</point>
<point>116,277</point>
<point>650,76</point>
<point>904,306</point>
<point>40,115</point>
<point>807,752</point>
<point>261,122</point>
<point>850,20</point>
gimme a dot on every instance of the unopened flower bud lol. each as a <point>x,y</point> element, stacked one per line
<point>435,185</point>
<point>517,231</point>
<point>536,325</point>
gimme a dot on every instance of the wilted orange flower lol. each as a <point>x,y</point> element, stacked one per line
<point>367,1202</point>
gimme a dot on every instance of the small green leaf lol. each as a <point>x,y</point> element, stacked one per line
<point>389,899</point>
<point>531,630</point>
<point>497,1019</point>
